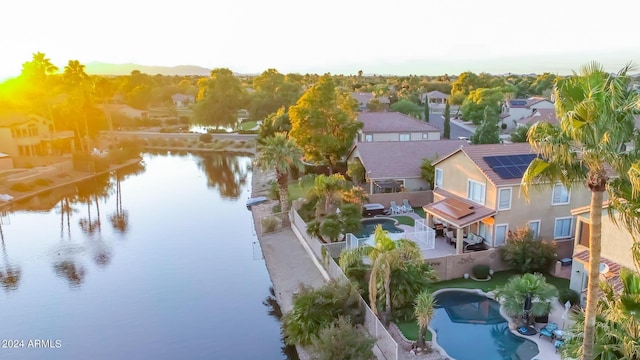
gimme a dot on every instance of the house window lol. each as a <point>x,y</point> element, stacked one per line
<point>560,195</point>
<point>475,191</point>
<point>438,178</point>
<point>405,137</point>
<point>368,138</point>
<point>562,229</point>
<point>534,226</point>
<point>504,199</point>
<point>501,234</point>
<point>425,136</point>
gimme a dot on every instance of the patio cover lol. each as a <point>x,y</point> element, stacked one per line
<point>457,211</point>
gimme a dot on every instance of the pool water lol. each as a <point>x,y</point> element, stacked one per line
<point>369,226</point>
<point>474,320</point>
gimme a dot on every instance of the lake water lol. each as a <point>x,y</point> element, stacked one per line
<point>163,264</point>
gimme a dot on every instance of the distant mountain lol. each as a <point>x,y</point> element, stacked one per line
<point>100,68</point>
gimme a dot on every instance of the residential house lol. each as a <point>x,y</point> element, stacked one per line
<point>124,110</point>
<point>516,109</point>
<point>394,126</point>
<point>538,115</point>
<point>477,191</point>
<point>6,162</point>
<point>31,135</point>
<point>437,100</point>
<point>182,100</point>
<point>394,167</point>
<point>615,251</point>
<point>363,99</point>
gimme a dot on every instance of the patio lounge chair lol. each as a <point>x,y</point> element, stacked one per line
<point>548,330</point>
<point>473,242</point>
<point>407,207</point>
<point>395,209</point>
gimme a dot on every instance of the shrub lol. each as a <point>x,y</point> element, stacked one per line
<point>481,271</point>
<point>526,254</point>
<point>21,187</point>
<point>569,295</point>
<point>42,182</point>
<point>274,191</point>
<point>205,138</point>
<point>343,341</point>
<point>269,224</point>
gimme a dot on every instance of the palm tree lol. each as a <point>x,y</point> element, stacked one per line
<point>79,99</point>
<point>424,310</point>
<point>11,274</point>
<point>385,256</point>
<point>37,72</point>
<point>528,288</point>
<point>596,119</point>
<point>328,189</point>
<point>280,153</point>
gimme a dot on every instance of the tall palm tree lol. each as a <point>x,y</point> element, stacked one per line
<point>424,310</point>
<point>280,153</point>
<point>37,72</point>
<point>596,111</point>
<point>385,255</point>
<point>80,88</point>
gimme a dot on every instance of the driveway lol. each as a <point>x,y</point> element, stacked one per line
<point>437,120</point>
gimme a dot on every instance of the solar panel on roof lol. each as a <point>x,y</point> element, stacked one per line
<point>509,166</point>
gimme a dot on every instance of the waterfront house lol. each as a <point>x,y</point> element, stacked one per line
<point>394,127</point>
<point>32,135</point>
<point>477,191</point>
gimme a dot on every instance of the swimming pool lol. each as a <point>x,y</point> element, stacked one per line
<point>369,226</point>
<point>469,326</point>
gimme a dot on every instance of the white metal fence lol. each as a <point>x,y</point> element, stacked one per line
<point>385,342</point>
<point>425,236</point>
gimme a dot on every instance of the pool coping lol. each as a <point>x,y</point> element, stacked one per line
<point>443,352</point>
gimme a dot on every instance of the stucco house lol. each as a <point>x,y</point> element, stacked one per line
<point>393,167</point>
<point>182,100</point>
<point>437,100</point>
<point>477,191</point>
<point>538,115</point>
<point>394,126</point>
<point>517,109</point>
<point>32,135</point>
<point>615,251</point>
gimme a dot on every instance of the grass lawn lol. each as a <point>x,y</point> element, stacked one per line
<point>297,190</point>
<point>419,211</point>
<point>247,125</point>
<point>410,329</point>
<point>405,220</point>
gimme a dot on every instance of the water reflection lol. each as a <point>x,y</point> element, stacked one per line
<point>224,173</point>
<point>70,271</point>
<point>10,274</point>
<point>273,310</point>
<point>120,218</point>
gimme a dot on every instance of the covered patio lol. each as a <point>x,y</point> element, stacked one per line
<point>454,217</point>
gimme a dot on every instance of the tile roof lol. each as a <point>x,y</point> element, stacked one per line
<point>401,159</point>
<point>437,95</point>
<point>476,154</point>
<point>12,119</point>
<point>547,115</point>
<point>457,210</point>
<point>381,122</point>
<point>525,103</point>
<point>362,97</point>
<point>612,276</point>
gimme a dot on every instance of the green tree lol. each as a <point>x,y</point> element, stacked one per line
<point>474,106</point>
<point>407,107</point>
<point>280,153</point>
<point>324,123</point>
<point>273,90</point>
<point>596,111</point>
<point>219,99</point>
<point>427,171</point>
<point>487,132</point>
<point>520,135</point>
<point>356,171</point>
<point>446,132</point>
<point>277,122</point>
<point>37,75</point>
<point>617,323</point>
<point>515,292</point>
<point>527,254</point>
<point>426,109</point>
<point>385,256</point>
<point>424,311</point>
<point>343,341</point>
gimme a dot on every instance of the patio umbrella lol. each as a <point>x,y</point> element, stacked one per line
<point>565,314</point>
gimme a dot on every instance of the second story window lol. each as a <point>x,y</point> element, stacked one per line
<point>437,179</point>
<point>405,137</point>
<point>475,191</point>
<point>368,138</point>
<point>504,199</point>
<point>560,195</point>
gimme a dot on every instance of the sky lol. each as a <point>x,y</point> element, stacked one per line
<point>422,37</point>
